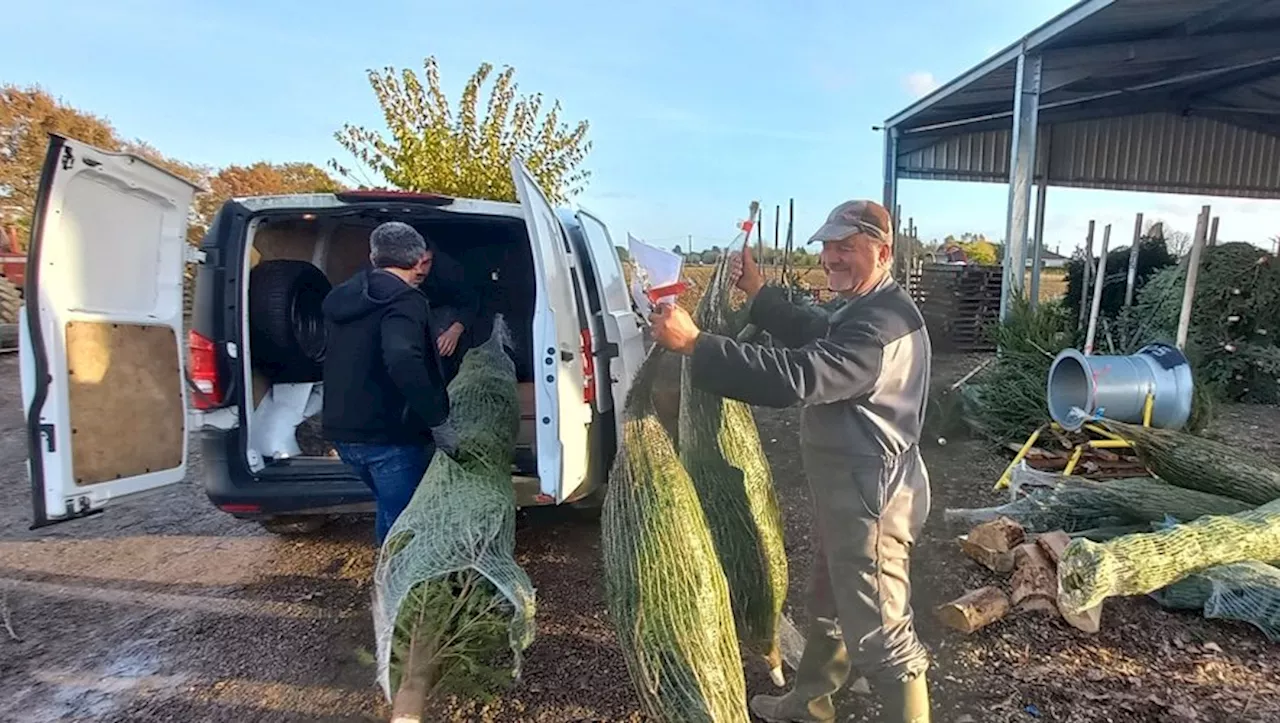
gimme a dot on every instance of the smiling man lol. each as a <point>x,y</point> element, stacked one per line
<point>861,373</point>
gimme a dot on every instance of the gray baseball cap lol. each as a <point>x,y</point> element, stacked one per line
<point>853,217</point>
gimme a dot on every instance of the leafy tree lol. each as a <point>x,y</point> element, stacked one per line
<point>977,247</point>
<point>434,148</point>
<point>27,116</point>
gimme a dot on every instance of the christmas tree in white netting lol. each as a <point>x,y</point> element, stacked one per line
<point>452,611</point>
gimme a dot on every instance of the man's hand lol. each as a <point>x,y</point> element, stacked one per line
<point>447,343</point>
<point>674,329</point>
<point>744,272</point>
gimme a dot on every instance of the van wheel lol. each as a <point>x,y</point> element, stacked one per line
<point>10,300</point>
<point>589,508</point>
<point>295,525</point>
<point>286,323</point>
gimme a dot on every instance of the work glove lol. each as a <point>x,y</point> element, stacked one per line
<point>446,437</point>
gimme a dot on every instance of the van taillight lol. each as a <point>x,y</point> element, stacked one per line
<point>202,366</point>
<point>588,368</point>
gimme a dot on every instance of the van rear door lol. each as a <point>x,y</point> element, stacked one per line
<point>560,368</point>
<point>103,373</point>
<point>621,328</point>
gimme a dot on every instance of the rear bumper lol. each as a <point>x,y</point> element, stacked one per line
<point>301,487</point>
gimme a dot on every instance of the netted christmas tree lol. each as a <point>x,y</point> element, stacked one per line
<point>720,448</point>
<point>1235,319</point>
<point>452,611</point>
<point>666,592</point>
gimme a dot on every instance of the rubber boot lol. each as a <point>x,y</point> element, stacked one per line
<point>905,701</point>
<point>824,668</point>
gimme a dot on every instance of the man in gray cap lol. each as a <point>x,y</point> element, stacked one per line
<point>861,373</point>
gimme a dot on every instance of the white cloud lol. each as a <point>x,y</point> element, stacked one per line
<point>920,83</point>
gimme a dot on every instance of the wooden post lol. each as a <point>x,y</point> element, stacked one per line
<point>1084,278</point>
<point>1213,232</point>
<point>1099,280</point>
<point>1037,244</point>
<point>786,254</point>
<point>760,238</point>
<point>777,219</point>
<point>1193,271</point>
<point>899,250</point>
<point>1132,278</point>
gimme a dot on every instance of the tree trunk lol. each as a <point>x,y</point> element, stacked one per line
<point>1053,543</point>
<point>990,543</point>
<point>994,560</point>
<point>974,610</point>
<point>417,679</point>
<point>1035,580</point>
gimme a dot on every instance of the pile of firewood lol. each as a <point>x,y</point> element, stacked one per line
<point>1031,564</point>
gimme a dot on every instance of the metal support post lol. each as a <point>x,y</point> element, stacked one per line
<point>1037,244</point>
<point>891,189</point>
<point>1022,166</point>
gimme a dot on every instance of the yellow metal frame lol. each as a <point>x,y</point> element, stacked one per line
<point>1110,441</point>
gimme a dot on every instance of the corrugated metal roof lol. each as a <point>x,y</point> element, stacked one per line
<point>1159,152</point>
<point>1168,95</point>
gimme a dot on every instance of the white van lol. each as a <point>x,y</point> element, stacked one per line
<point>111,395</point>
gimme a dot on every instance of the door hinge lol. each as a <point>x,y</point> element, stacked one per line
<point>194,255</point>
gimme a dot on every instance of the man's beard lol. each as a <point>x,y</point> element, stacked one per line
<point>839,281</point>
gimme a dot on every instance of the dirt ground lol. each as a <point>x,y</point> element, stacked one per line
<point>165,609</point>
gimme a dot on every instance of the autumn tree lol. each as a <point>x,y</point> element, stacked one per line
<point>27,117</point>
<point>435,148</point>
<point>263,179</point>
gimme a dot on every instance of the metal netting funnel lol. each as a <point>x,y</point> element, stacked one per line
<point>1082,387</point>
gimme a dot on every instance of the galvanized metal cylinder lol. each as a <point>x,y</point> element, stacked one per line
<point>1116,387</point>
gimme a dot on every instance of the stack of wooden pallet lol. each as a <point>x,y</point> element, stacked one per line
<point>959,302</point>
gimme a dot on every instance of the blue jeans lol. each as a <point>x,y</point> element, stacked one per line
<point>392,471</point>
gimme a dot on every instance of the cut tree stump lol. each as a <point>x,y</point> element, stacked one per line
<point>991,543</point>
<point>974,610</point>
<point>1053,543</point>
<point>1001,534</point>
<point>1035,580</point>
<point>994,560</point>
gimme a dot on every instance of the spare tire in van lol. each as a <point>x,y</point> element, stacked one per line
<point>286,325</point>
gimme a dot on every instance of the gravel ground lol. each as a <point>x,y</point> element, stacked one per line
<point>165,609</point>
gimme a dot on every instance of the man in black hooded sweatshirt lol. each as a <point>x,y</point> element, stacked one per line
<point>383,389</point>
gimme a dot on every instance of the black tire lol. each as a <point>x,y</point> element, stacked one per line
<point>295,525</point>
<point>10,300</point>
<point>8,336</point>
<point>589,508</point>
<point>286,325</point>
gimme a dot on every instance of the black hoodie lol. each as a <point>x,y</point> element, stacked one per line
<point>382,382</point>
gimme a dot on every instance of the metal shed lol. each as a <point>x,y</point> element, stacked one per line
<point>1174,96</point>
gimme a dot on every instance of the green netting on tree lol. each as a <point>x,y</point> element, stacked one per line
<point>1202,464</point>
<point>720,448</point>
<point>1235,319</point>
<point>1245,591</point>
<point>452,609</point>
<point>1138,564</point>
<point>666,593</point>
<point>1075,503</point>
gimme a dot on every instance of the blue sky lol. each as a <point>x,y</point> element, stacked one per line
<point>696,107</point>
